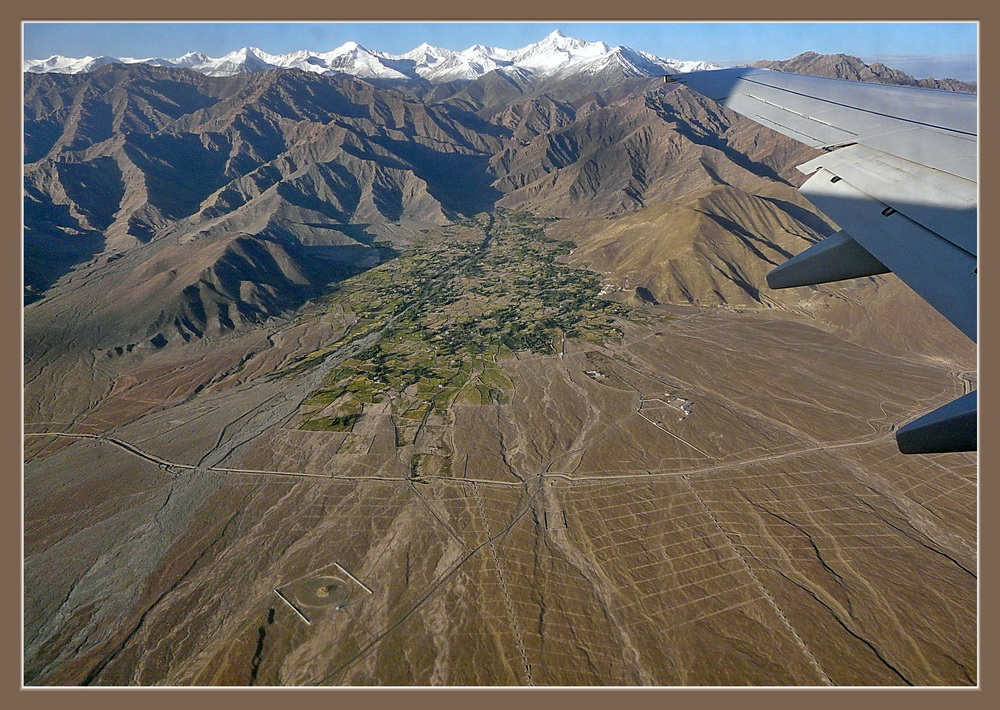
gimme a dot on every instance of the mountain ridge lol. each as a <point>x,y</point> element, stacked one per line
<point>555,55</point>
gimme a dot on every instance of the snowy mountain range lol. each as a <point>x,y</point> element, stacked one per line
<point>555,56</point>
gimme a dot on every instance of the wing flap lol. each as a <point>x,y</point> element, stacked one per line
<point>941,272</point>
<point>943,203</point>
<point>953,154</point>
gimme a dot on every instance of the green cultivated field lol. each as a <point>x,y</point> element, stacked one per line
<point>447,312</point>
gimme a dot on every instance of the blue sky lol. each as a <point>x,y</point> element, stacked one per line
<point>923,49</point>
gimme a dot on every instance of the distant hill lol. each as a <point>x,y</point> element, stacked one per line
<point>844,66</point>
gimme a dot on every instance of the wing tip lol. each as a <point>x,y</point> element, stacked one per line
<point>950,428</point>
<point>836,258</point>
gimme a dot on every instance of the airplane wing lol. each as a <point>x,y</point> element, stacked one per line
<point>900,179</point>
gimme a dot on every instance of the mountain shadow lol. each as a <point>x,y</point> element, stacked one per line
<point>461,183</point>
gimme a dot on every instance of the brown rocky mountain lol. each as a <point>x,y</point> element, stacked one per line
<point>247,195</point>
<point>650,146</point>
<point>168,143</point>
<point>227,192</point>
<point>844,66</point>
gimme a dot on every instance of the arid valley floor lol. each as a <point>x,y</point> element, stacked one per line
<point>488,475</point>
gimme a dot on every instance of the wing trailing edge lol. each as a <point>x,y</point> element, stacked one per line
<point>940,271</point>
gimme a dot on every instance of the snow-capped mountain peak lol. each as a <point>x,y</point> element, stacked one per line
<point>247,60</point>
<point>58,64</point>
<point>423,50</point>
<point>558,40</point>
<point>425,55</point>
<point>554,55</point>
<point>348,48</point>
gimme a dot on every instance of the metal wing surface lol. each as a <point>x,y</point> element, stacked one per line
<point>899,177</point>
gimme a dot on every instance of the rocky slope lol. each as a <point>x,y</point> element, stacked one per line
<point>710,248</point>
<point>713,248</point>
